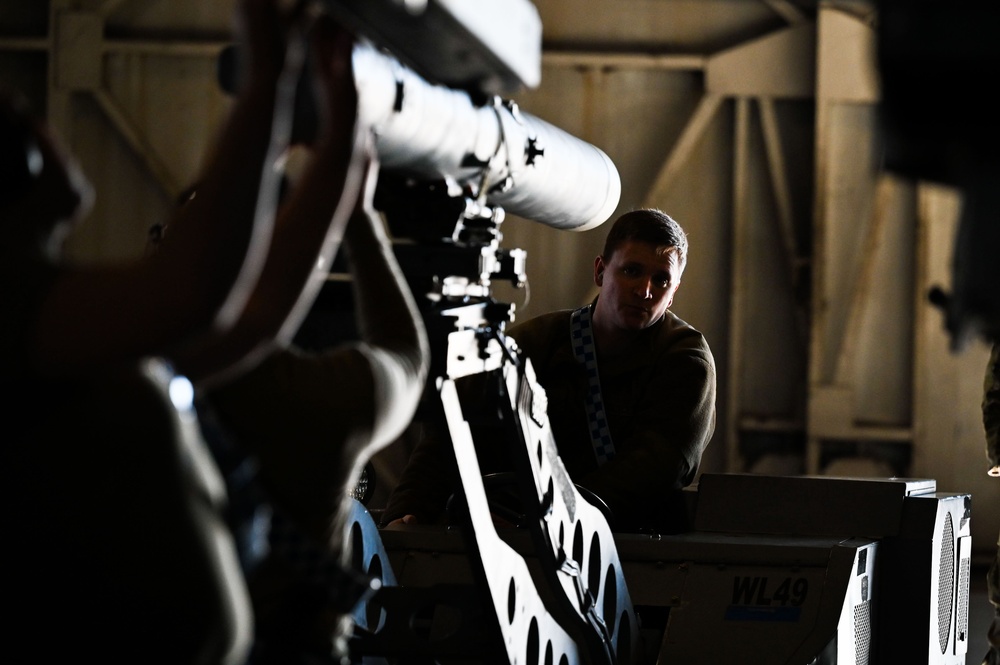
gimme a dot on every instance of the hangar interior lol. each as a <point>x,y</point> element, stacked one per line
<point>754,123</point>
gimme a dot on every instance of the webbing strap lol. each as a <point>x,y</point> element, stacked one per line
<point>582,338</point>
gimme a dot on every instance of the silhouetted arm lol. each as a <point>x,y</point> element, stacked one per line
<point>309,228</point>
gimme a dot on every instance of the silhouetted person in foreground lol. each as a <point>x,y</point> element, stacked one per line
<point>114,507</point>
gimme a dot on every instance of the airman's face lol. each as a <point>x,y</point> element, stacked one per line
<point>637,284</point>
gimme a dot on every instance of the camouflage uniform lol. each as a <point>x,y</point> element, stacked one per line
<point>991,423</point>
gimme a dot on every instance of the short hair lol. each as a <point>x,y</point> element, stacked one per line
<point>651,226</point>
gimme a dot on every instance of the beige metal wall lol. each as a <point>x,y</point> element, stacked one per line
<point>750,121</point>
